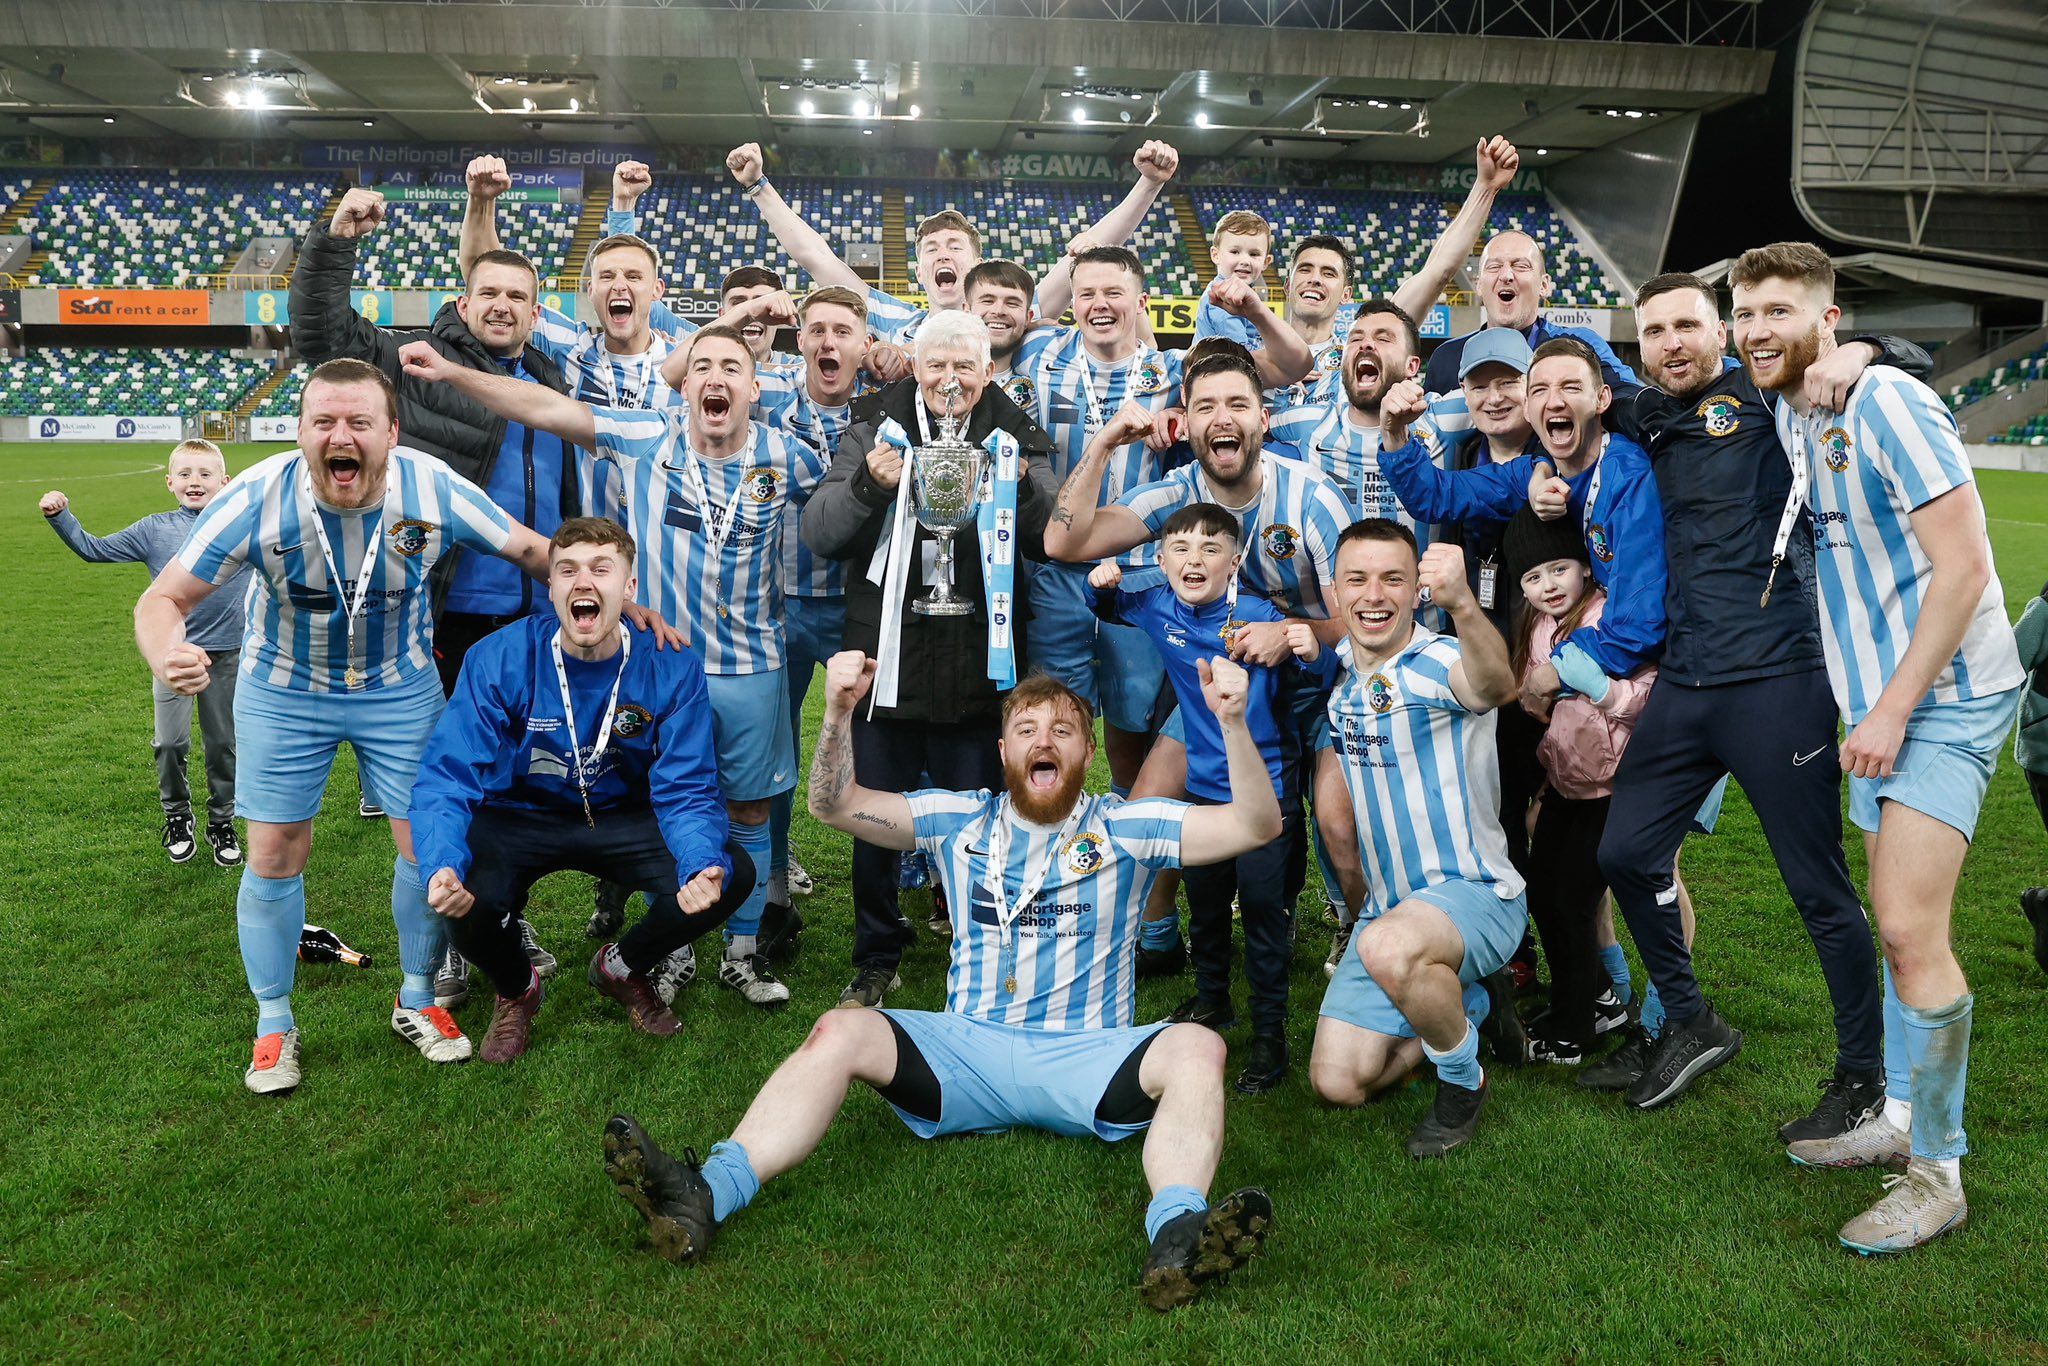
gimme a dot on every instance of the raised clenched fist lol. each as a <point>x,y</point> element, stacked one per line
<point>1498,162</point>
<point>848,675</point>
<point>630,180</point>
<point>487,177</point>
<point>744,162</point>
<point>1442,575</point>
<point>53,503</point>
<point>1156,161</point>
<point>419,360</point>
<point>1131,423</point>
<point>358,214</point>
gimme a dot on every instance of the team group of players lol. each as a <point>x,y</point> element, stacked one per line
<point>1270,565</point>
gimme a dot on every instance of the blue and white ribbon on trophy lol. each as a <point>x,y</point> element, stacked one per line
<point>995,517</point>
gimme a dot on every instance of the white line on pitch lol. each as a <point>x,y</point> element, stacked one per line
<point>159,469</point>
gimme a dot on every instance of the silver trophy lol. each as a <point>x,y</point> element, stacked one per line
<point>945,484</point>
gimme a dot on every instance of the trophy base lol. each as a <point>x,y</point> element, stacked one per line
<point>943,607</point>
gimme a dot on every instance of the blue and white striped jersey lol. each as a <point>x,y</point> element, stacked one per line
<point>297,632</point>
<point>1077,395</point>
<point>790,409</point>
<point>1290,534</point>
<point>600,377</point>
<point>1348,455</point>
<point>1422,774</point>
<point>1073,947</point>
<point>709,531</point>
<point>1894,450</point>
<point>893,320</point>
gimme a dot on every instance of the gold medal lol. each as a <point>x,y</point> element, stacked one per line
<point>1010,986</point>
<point>1230,628</point>
<point>353,677</point>
<point>723,612</point>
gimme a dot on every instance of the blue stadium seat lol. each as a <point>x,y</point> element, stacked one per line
<point>87,381</point>
<point>159,229</point>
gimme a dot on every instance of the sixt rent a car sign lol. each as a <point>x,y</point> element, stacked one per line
<point>132,307</point>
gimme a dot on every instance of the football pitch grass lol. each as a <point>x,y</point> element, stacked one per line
<point>149,1206</point>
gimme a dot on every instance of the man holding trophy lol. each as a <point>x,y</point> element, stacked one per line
<point>936,497</point>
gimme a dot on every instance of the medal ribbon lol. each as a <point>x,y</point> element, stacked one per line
<point>372,552</point>
<point>604,727</point>
<point>1033,880</point>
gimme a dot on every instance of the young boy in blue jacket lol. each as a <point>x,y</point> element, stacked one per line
<point>572,742</point>
<point>1190,617</point>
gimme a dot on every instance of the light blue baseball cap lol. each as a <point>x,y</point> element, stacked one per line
<point>1495,346</point>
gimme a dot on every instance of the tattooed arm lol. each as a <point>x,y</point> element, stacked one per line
<point>1079,531</point>
<point>879,818</point>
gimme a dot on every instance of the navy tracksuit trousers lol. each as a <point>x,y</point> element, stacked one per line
<point>1777,737</point>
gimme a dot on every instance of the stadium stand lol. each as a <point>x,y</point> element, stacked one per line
<point>13,184</point>
<point>1031,222</point>
<point>415,249</point>
<point>702,228</point>
<point>1392,230</point>
<point>117,381</point>
<point>2021,373</point>
<point>283,401</point>
<point>162,228</point>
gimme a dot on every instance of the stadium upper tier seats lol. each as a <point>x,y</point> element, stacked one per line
<point>1393,230</point>
<point>1031,222</point>
<point>2020,373</point>
<point>114,381</point>
<point>283,401</point>
<point>162,228</point>
<point>415,247</point>
<point>703,228</point>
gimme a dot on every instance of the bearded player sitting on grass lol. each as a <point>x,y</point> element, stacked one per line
<point>1037,1033</point>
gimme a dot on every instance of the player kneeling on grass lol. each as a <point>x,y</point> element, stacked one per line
<point>1412,720</point>
<point>510,790</point>
<point>1048,882</point>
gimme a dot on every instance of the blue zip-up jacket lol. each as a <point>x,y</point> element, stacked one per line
<point>1440,376</point>
<point>1624,535</point>
<point>534,480</point>
<point>504,740</point>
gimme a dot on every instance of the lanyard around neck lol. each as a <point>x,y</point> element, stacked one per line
<point>352,605</point>
<point>604,727</point>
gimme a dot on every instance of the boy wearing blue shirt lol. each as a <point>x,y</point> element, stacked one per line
<point>510,791</point>
<point>1189,618</point>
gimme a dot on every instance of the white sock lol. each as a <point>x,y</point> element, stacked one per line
<point>740,946</point>
<point>1899,1114</point>
<point>614,964</point>
<point>1951,1168</point>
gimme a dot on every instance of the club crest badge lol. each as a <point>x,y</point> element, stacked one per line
<point>1083,854</point>
<point>1597,542</point>
<point>1150,376</point>
<point>1020,391</point>
<point>409,537</point>
<point>1834,449</point>
<point>1379,693</point>
<point>630,721</point>
<point>762,484</point>
<point>1279,541</point>
<point>1719,413</point>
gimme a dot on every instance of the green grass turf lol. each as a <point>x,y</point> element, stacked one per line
<point>149,1206</point>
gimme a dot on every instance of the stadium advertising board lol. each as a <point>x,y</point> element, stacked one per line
<point>132,307</point>
<point>1435,324</point>
<point>453,156</point>
<point>374,304</point>
<point>273,429</point>
<point>266,308</point>
<point>531,194</point>
<point>1598,321</point>
<point>58,427</point>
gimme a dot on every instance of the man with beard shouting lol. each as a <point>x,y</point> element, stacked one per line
<point>1037,1028</point>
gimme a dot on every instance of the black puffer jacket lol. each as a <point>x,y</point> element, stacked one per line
<point>431,417</point>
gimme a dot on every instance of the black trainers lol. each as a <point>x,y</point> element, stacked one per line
<point>1847,1099</point>
<point>1201,1010</point>
<point>1609,1014</point>
<point>1557,1052</point>
<point>610,916</point>
<point>2034,905</point>
<point>1684,1053</point>
<point>227,850</point>
<point>1622,1068</point>
<point>178,840</point>
<point>672,1196</point>
<point>1265,1064</point>
<point>1452,1120</point>
<point>1502,1027</point>
<point>780,926</point>
<point>1163,962</point>
<point>1204,1245</point>
<point>869,985</point>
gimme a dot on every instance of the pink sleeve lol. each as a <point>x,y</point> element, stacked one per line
<point>1625,696</point>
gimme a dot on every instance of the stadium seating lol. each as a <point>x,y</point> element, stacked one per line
<point>162,228</point>
<point>1393,230</point>
<point>2021,373</point>
<point>415,248</point>
<point>283,401</point>
<point>13,184</point>
<point>702,227</point>
<point>1031,222</point>
<point>115,381</point>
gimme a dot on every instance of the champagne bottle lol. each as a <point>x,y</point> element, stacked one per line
<point>317,945</point>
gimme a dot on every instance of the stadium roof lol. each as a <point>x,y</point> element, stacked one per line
<point>1363,80</point>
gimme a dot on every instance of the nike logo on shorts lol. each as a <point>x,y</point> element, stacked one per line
<point>1799,759</point>
<point>285,549</point>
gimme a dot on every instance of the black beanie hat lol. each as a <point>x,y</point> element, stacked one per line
<point>1530,541</point>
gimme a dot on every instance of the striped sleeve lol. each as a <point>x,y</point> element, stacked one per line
<point>473,519</point>
<point>224,537</point>
<point>1324,516</point>
<point>556,334</point>
<point>890,317</point>
<point>937,815</point>
<point>1917,445</point>
<point>1156,502</point>
<point>668,322</point>
<point>1294,426</point>
<point>1427,676</point>
<point>631,433</point>
<point>1148,830</point>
